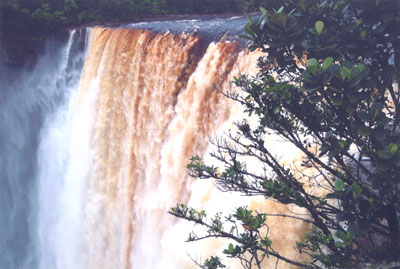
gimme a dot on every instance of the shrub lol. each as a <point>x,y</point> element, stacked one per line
<point>328,84</point>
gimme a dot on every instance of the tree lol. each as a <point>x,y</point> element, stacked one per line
<point>328,84</point>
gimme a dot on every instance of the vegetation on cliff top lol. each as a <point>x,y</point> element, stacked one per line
<point>328,85</point>
<point>25,23</point>
<point>38,16</point>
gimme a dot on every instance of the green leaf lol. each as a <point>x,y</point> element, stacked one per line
<point>339,185</point>
<point>379,134</point>
<point>396,77</point>
<point>340,235</point>
<point>307,77</point>
<point>363,34</point>
<point>342,144</point>
<point>384,154</point>
<point>327,63</point>
<point>350,108</point>
<point>364,131</point>
<point>248,30</point>
<point>263,10</point>
<point>312,65</point>
<point>279,19</point>
<point>382,165</point>
<point>230,250</point>
<point>344,72</point>
<point>375,109</point>
<point>356,190</point>
<point>319,26</point>
<point>306,44</point>
<point>370,200</point>
<point>377,106</point>
<point>361,67</point>
<point>393,148</point>
<point>249,17</point>
<point>246,37</point>
<point>382,120</point>
<point>351,26</point>
<point>326,78</point>
<point>335,70</point>
<point>353,97</point>
<point>363,115</point>
<point>348,238</point>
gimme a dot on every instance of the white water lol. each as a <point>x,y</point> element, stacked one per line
<point>62,164</point>
<point>29,101</point>
<point>93,216</point>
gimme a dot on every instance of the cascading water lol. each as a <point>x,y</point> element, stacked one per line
<point>61,164</point>
<point>105,155</point>
<point>29,99</point>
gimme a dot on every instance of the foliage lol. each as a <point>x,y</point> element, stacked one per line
<point>328,84</point>
<point>25,24</point>
<point>50,15</point>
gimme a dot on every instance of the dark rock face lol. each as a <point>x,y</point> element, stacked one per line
<point>19,52</point>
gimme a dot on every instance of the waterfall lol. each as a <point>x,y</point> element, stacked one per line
<point>111,145</point>
<point>29,102</point>
<point>61,156</point>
